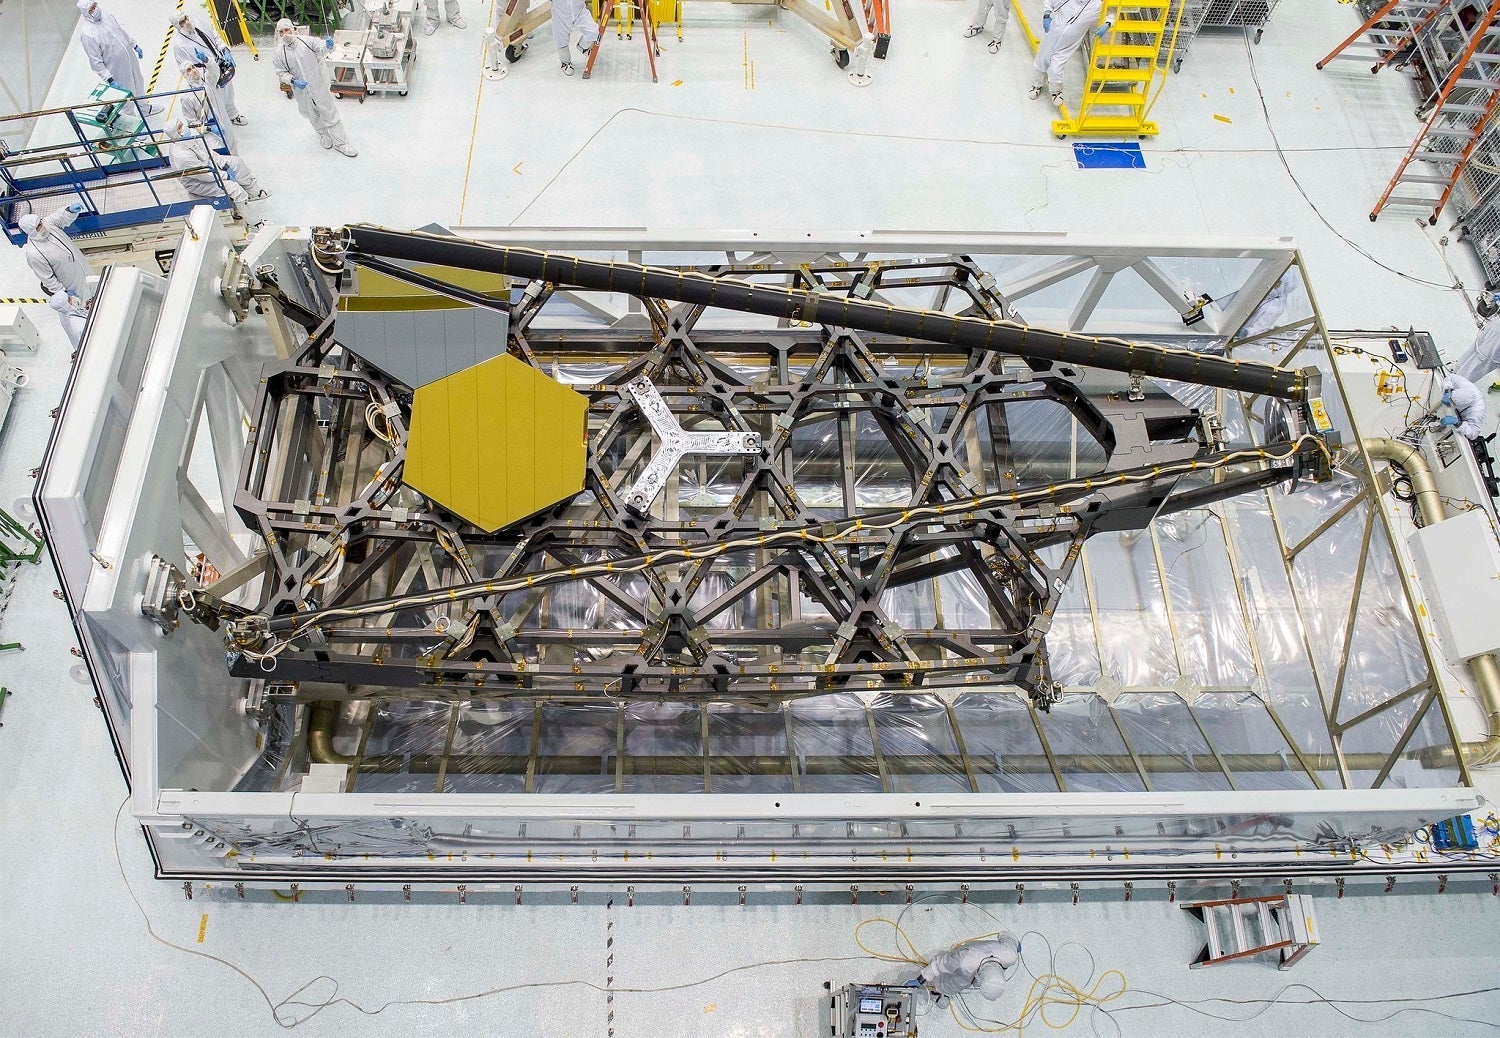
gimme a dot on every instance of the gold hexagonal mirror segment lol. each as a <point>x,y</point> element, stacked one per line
<point>496,442</point>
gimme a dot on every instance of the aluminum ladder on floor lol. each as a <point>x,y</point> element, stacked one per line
<point>1240,927</point>
<point>1117,91</point>
<point>1391,31</point>
<point>1460,115</point>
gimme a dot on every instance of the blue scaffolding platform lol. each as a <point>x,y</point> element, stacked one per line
<point>106,155</point>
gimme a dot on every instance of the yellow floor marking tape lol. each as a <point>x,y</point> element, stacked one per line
<point>161,57</point>
<point>463,201</point>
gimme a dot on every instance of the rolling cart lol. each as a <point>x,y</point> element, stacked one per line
<point>1207,15</point>
<point>1238,14</point>
<point>346,64</point>
<point>390,47</point>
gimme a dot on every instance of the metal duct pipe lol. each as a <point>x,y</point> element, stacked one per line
<point>1409,459</point>
<point>370,244</point>
<point>321,722</point>
<point>1484,668</point>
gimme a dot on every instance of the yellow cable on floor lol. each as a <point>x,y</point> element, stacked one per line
<point>1048,990</point>
<point>909,954</point>
<point>1037,1001</point>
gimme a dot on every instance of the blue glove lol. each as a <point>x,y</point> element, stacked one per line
<point>200,55</point>
<point>300,84</point>
<point>328,42</point>
<point>75,208</point>
<point>1448,399</point>
<point>111,82</point>
<point>138,52</point>
<point>1449,421</point>
<point>227,60</point>
<point>1099,32</point>
<point>1046,23</point>
<point>230,173</point>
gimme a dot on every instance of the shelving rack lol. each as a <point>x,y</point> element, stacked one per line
<point>1209,15</point>
<point>321,16</point>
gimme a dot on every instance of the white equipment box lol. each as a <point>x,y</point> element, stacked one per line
<point>1458,565</point>
<point>16,330</point>
<point>12,378</point>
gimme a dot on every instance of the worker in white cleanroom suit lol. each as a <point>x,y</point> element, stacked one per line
<point>298,61</point>
<point>450,8</point>
<point>71,312</point>
<point>1468,406</point>
<point>188,151</point>
<point>1483,357</point>
<point>982,9</point>
<point>980,964</point>
<point>568,15</point>
<point>112,52</point>
<point>198,112</point>
<point>1264,317</point>
<point>1066,24</point>
<point>193,44</point>
<point>51,254</point>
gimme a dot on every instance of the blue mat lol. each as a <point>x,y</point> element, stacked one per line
<point>1109,156</point>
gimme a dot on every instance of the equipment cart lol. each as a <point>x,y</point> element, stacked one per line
<point>390,47</point>
<point>346,64</point>
<point>1204,15</point>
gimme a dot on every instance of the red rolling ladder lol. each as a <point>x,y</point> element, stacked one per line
<point>1390,31</point>
<point>1460,115</point>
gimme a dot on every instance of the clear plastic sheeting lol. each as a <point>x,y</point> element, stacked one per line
<point>764,738</point>
<point>1209,629</point>
<point>1245,735</point>
<point>1134,639</point>
<point>1166,735</point>
<point>835,745</point>
<point>1083,738</point>
<point>574,746</point>
<point>1004,750</point>
<point>920,747</point>
<point>486,736</point>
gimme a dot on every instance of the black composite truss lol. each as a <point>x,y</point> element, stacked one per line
<point>888,463</point>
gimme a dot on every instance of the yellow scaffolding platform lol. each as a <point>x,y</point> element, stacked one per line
<point>1124,74</point>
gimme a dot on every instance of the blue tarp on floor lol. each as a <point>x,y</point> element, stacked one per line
<point>1109,155</point>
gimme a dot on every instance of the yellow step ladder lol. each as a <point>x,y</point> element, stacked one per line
<point>1123,72</point>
